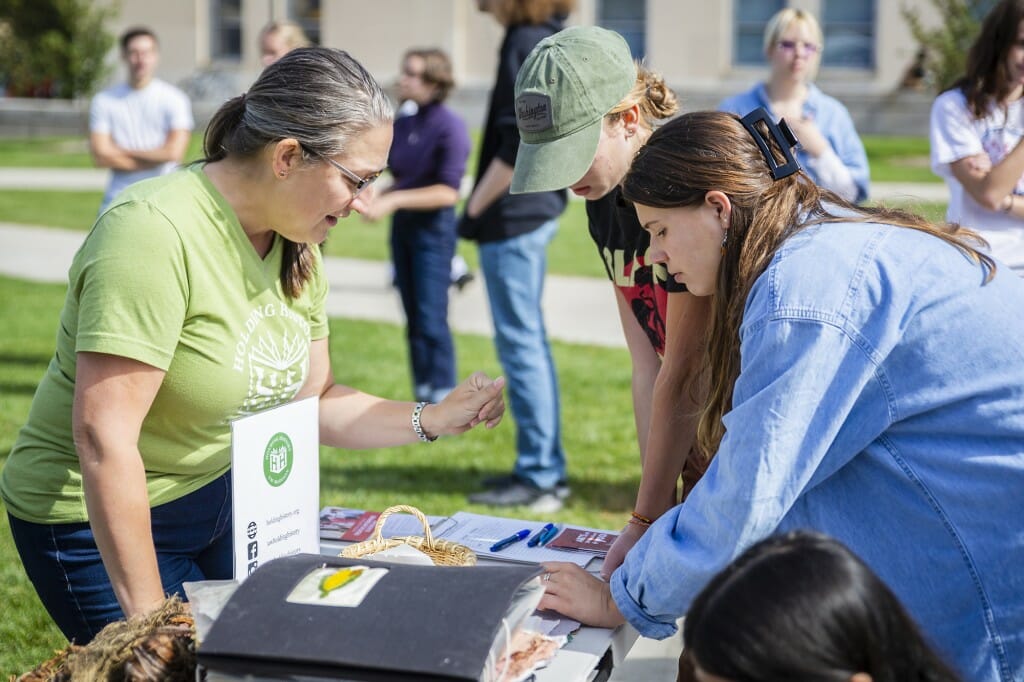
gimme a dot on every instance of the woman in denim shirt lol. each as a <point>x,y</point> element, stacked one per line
<point>865,381</point>
<point>830,149</point>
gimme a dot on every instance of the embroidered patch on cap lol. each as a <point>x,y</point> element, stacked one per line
<point>533,112</point>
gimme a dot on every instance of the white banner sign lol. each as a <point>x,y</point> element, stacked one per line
<point>275,484</point>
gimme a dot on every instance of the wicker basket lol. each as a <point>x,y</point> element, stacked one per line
<point>441,552</point>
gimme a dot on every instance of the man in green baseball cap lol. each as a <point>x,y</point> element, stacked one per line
<point>563,91</point>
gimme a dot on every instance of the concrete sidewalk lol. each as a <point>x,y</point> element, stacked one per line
<point>96,179</point>
<point>577,309</point>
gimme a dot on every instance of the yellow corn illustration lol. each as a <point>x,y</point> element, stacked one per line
<point>339,578</point>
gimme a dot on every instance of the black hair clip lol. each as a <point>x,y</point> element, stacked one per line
<point>783,137</point>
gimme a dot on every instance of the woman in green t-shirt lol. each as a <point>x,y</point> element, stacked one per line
<point>198,298</point>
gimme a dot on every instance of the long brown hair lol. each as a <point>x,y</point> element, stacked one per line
<point>319,96</point>
<point>709,150</point>
<point>987,81</point>
<point>532,12</point>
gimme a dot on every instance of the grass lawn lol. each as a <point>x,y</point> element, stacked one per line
<point>598,435</point>
<point>899,159</point>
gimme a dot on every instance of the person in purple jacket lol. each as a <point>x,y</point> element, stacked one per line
<point>427,160</point>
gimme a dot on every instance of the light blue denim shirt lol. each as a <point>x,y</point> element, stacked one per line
<point>881,401</point>
<point>832,119</point>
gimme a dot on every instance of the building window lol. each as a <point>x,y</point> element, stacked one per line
<point>306,13</point>
<point>226,29</point>
<point>629,19</point>
<point>749,21</point>
<point>849,27</point>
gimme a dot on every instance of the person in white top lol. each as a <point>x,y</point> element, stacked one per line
<point>141,128</point>
<point>977,130</point>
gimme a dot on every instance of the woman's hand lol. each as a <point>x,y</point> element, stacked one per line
<point>379,207</point>
<point>574,593</point>
<point>617,554</point>
<point>478,399</point>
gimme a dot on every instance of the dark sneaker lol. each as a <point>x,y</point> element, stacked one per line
<point>561,489</point>
<point>519,494</point>
<point>461,281</point>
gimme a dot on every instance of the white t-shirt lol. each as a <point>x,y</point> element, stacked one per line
<point>139,120</point>
<point>956,134</point>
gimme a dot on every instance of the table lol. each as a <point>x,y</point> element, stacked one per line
<point>589,657</point>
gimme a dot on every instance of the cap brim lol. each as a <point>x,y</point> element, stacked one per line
<point>557,164</point>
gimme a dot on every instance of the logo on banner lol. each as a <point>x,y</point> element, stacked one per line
<point>277,459</point>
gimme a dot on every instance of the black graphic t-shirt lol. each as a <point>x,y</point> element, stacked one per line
<point>623,245</point>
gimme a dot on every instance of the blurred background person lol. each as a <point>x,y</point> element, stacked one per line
<point>278,38</point>
<point>513,233</point>
<point>830,150</point>
<point>140,128</point>
<point>977,129</point>
<point>801,606</point>
<point>427,161</point>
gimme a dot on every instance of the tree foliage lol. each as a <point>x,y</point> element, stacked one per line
<point>947,43</point>
<point>54,48</point>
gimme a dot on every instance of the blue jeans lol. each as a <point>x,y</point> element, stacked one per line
<point>514,272</point>
<point>192,536</point>
<point>422,246</point>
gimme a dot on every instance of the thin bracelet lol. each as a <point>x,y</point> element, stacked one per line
<point>640,518</point>
<point>417,426</point>
<point>638,522</point>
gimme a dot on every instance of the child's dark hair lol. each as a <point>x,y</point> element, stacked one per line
<point>802,606</point>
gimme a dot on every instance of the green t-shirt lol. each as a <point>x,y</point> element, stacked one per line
<point>168,277</point>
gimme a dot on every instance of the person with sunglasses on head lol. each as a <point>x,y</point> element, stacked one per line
<point>864,381</point>
<point>427,161</point>
<point>802,606</point>
<point>584,108</point>
<point>198,298</point>
<point>831,151</point>
<point>977,136</point>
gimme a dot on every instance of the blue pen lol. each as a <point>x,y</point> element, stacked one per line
<point>538,539</point>
<point>549,535</point>
<point>511,539</point>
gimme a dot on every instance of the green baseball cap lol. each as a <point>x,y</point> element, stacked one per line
<point>564,89</point>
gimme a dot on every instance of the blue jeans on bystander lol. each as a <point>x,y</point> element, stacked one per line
<point>514,272</point>
<point>422,246</point>
<point>192,536</point>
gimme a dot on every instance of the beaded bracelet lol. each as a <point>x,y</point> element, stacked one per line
<point>417,426</point>
<point>640,519</point>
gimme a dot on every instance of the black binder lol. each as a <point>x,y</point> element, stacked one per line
<point>417,624</point>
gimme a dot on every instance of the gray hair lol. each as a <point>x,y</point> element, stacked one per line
<point>322,98</point>
<point>319,96</point>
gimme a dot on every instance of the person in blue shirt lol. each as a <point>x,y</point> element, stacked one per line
<point>831,151</point>
<point>801,606</point>
<point>427,160</point>
<point>864,381</point>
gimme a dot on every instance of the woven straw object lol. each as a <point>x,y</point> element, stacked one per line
<point>441,552</point>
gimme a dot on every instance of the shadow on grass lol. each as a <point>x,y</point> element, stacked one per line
<point>25,359</point>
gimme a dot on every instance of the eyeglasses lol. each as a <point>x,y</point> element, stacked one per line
<point>360,183</point>
<point>792,45</point>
